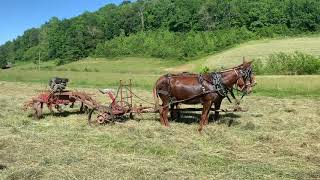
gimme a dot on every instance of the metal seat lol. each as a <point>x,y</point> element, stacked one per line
<point>105,91</point>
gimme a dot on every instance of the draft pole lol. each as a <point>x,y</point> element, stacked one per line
<point>130,87</point>
<point>121,97</point>
<point>39,61</point>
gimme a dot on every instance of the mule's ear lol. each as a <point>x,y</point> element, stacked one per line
<point>244,60</point>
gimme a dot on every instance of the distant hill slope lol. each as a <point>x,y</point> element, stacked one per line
<point>149,66</point>
<point>253,49</point>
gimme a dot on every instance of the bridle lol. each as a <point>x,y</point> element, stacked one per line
<point>245,77</point>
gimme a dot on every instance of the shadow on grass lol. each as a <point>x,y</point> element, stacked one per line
<point>3,167</point>
<point>193,117</point>
<point>60,114</point>
<point>184,117</point>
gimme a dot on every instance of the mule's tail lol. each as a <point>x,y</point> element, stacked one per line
<point>156,98</point>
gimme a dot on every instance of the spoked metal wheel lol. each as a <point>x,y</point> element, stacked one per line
<point>100,115</point>
<point>121,109</point>
<point>123,106</point>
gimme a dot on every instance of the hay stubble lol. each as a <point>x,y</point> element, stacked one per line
<point>276,138</point>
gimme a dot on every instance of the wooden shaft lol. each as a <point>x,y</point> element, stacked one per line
<point>130,87</point>
<point>211,109</point>
<point>121,97</point>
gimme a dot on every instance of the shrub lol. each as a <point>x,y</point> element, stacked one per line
<point>204,70</point>
<point>74,69</point>
<point>281,63</point>
<point>60,62</point>
<point>87,69</point>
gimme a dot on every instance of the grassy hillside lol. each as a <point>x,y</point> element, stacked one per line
<point>275,139</point>
<point>255,49</point>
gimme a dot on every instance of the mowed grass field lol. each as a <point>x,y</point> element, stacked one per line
<point>277,86</point>
<point>275,139</point>
<point>104,73</point>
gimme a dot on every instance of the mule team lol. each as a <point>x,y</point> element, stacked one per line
<point>206,89</point>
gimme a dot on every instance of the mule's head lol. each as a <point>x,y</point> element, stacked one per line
<point>247,78</point>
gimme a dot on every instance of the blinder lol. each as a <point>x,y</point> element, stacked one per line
<point>246,76</point>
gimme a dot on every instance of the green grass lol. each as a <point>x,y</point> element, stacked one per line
<point>128,65</point>
<point>275,139</point>
<point>288,86</point>
<point>278,86</point>
<point>84,79</point>
<point>92,72</point>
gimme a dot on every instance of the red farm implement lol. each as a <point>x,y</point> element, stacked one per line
<point>121,106</point>
<point>57,96</point>
<point>57,99</point>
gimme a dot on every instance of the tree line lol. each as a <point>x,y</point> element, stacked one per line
<point>162,28</point>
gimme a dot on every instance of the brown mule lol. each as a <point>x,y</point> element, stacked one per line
<point>207,89</point>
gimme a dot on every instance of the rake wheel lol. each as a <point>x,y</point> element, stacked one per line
<point>100,115</point>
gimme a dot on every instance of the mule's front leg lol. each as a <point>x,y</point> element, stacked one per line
<point>217,107</point>
<point>173,113</point>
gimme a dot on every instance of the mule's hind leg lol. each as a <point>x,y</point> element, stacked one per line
<point>161,115</point>
<point>164,109</point>
<point>204,115</point>
<point>207,113</point>
<point>165,115</point>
